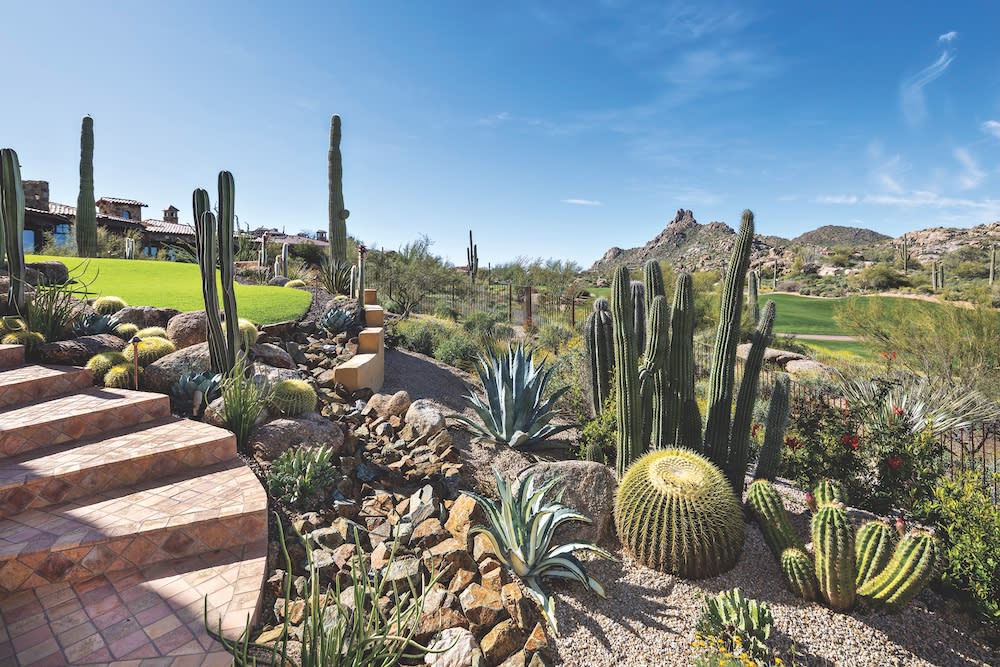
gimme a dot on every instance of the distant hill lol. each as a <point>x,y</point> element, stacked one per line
<point>689,245</point>
<point>832,235</point>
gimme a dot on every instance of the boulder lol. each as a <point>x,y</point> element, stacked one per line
<point>272,355</point>
<point>771,355</point>
<point>482,606</point>
<point>587,487</point>
<point>78,351</point>
<point>278,281</point>
<point>187,329</point>
<point>424,417</point>
<point>503,640</point>
<point>808,368</point>
<point>161,375</point>
<point>55,273</point>
<point>271,439</point>
<point>461,517</point>
<point>146,316</point>
<point>387,406</point>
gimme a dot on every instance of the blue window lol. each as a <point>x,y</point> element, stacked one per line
<point>126,214</point>
<point>60,235</point>
<point>28,238</point>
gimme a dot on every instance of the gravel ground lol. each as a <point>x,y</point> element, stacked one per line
<point>649,617</point>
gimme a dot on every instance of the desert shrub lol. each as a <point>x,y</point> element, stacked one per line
<point>601,432</point>
<point>789,286</point>
<point>879,277</point>
<point>458,349</point>
<point>968,524</point>
<point>422,334</point>
<point>310,253</point>
<point>553,336</point>
<point>446,312</point>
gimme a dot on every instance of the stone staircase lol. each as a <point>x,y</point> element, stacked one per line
<point>367,367</point>
<point>116,522</point>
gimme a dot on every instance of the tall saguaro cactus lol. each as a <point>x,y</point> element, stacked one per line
<point>86,207</point>
<point>653,390</point>
<point>993,263</point>
<point>753,283</point>
<point>472,257</point>
<point>720,391</point>
<point>338,214</point>
<point>683,416</point>
<point>215,246</point>
<point>12,225</point>
<point>626,372</point>
<point>904,254</point>
<point>600,353</point>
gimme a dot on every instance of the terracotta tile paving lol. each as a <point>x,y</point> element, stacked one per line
<point>30,383</point>
<point>117,524</point>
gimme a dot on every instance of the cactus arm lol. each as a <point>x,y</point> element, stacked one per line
<point>753,284</point>
<point>910,569</point>
<point>337,213</point>
<point>204,222</point>
<point>683,418</point>
<point>800,574</point>
<point>652,375</point>
<point>873,548</point>
<point>600,353</point>
<point>626,372</point>
<point>638,315</point>
<point>652,275</point>
<point>833,546</point>
<point>86,213</point>
<point>720,391</point>
<point>774,437</point>
<point>227,215</point>
<point>12,222</point>
<point>767,508</point>
<point>739,444</point>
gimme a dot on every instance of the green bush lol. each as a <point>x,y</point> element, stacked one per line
<point>459,350</point>
<point>968,524</point>
<point>554,336</point>
<point>304,477</point>
<point>422,334</point>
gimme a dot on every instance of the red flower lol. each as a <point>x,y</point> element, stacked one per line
<point>792,442</point>
<point>893,355</point>
<point>754,429</point>
<point>898,411</point>
<point>851,441</point>
<point>894,462</point>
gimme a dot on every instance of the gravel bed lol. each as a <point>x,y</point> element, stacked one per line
<point>649,618</point>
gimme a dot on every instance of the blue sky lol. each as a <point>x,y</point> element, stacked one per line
<point>551,129</point>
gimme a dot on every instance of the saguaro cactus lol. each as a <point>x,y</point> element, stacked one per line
<point>338,214</point>
<point>639,315</point>
<point>739,443</point>
<point>652,276</point>
<point>472,258</point>
<point>86,207</point>
<point>12,225</point>
<point>720,392</point>
<point>904,254</point>
<point>600,353</point>
<point>626,372</point>
<point>683,416</point>
<point>753,302</point>
<point>215,245</point>
<point>653,377</point>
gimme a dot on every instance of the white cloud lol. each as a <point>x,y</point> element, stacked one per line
<point>972,175</point>
<point>912,88</point>
<point>836,199</point>
<point>581,202</point>
<point>992,127</point>
<point>495,119</point>
<point>886,173</point>
<point>947,37</point>
<point>925,199</point>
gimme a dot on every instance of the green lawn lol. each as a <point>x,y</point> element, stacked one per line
<point>808,315</point>
<point>841,347</point>
<point>176,285</point>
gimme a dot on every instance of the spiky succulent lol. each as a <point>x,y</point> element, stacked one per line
<point>295,283</point>
<point>732,616</point>
<point>515,411</point>
<point>800,573</point>
<point>293,397</point>
<point>197,390</point>
<point>121,376</point>
<point>93,324</point>
<point>148,350</point>
<point>102,362</point>
<point>151,332</point>
<point>769,510</point>
<point>873,547</point>
<point>913,563</point>
<point>109,305</point>
<point>337,320</point>
<point>248,333</point>
<point>11,323</point>
<point>126,330</point>
<point>676,512</point>
<point>29,339</point>
<point>521,527</point>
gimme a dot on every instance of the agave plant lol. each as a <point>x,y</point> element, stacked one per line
<point>335,276</point>
<point>336,320</point>
<point>93,324</point>
<point>515,411</point>
<point>521,528</point>
<point>199,390</point>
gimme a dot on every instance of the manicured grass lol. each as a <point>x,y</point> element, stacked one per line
<point>175,285</point>
<point>810,315</point>
<point>841,347</point>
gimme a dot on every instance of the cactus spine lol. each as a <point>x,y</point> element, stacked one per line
<point>472,258</point>
<point>338,214</point>
<point>626,372</point>
<point>215,245</point>
<point>653,377</point>
<point>833,545</point>
<point>753,302</point>
<point>739,444</point>
<point>774,436</point>
<point>600,353</point>
<point>769,511</point>
<point>800,575</point>
<point>910,569</point>
<point>873,548</point>
<point>683,416</point>
<point>720,392</point>
<point>12,228</point>
<point>86,207</point>
<point>639,315</point>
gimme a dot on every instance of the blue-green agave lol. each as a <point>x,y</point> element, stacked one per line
<point>515,411</point>
<point>93,324</point>
<point>521,528</point>
<point>199,389</point>
<point>336,320</point>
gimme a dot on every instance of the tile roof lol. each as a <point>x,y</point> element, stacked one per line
<point>61,209</point>
<point>117,200</point>
<point>162,227</point>
<point>65,209</point>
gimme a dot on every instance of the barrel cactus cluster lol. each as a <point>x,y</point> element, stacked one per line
<point>872,565</point>
<point>293,397</point>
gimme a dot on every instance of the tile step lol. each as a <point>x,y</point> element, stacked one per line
<point>222,507</point>
<point>11,356</point>
<point>152,451</point>
<point>65,418</point>
<point>152,613</point>
<point>25,384</point>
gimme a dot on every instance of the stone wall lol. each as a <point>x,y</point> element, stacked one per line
<point>36,194</point>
